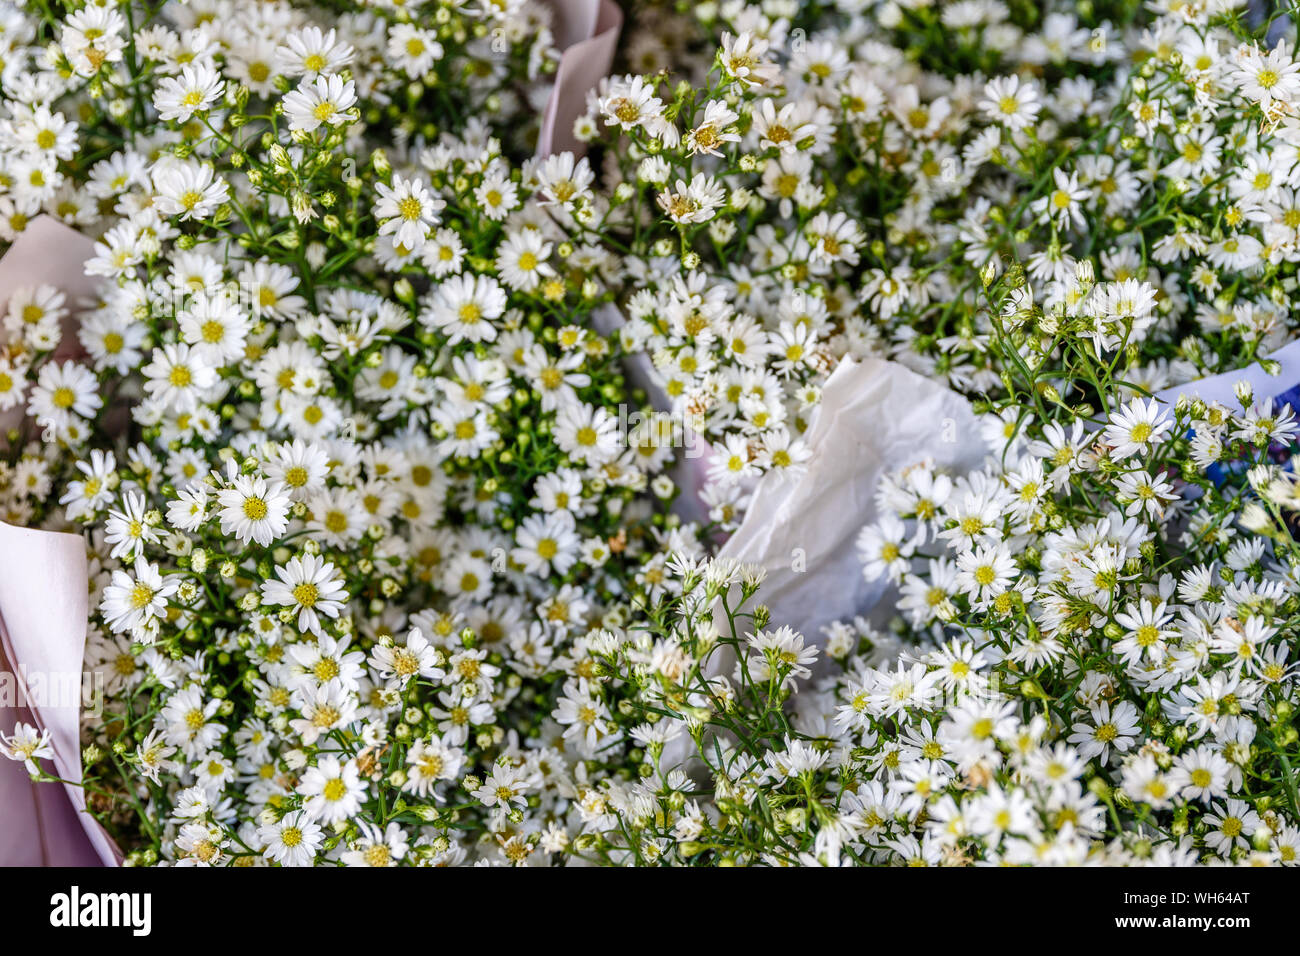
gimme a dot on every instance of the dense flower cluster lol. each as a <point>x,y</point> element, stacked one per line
<point>402,455</point>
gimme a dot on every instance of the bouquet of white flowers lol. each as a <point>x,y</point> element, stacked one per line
<point>407,453</point>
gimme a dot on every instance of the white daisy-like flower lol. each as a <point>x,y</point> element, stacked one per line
<point>36,308</point>
<point>194,91</point>
<point>743,57</point>
<point>189,510</point>
<point>406,211</point>
<point>413,49</point>
<point>188,190</point>
<point>521,260</point>
<point>563,180</point>
<point>464,307</point>
<point>428,762</point>
<point>332,790</point>
<point>403,662</point>
<point>177,377</point>
<point>310,584</point>
<point>713,131</point>
<point>586,433</point>
<point>546,542</point>
<point>300,466</point>
<point>253,509</point>
<point>1133,429</point>
<point>310,51</point>
<point>216,327</point>
<point>128,530</point>
<point>1011,101</point>
<point>63,390</point>
<point>131,603</point>
<point>292,840</point>
<point>1268,77</point>
<point>27,744</point>
<point>324,100</point>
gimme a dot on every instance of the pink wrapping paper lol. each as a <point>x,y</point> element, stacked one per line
<point>43,613</point>
<point>47,253</point>
<point>587,31</point>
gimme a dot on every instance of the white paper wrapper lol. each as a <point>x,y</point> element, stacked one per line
<point>1221,388</point>
<point>43,609</point>
<point>875,417</point>
<point>587,31</point>
<point>43,612</point>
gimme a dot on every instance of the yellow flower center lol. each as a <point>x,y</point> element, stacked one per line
<point>306,594</point>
